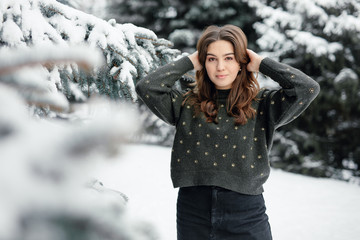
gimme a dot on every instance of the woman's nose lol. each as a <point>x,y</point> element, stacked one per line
<point>220,65</point>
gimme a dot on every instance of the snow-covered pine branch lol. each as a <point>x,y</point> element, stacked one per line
<point>130,52</point>
<point>310,24</point>
<point>46,173</point>
<point>321,38</point>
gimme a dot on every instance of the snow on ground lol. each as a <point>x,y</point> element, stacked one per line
<point>299,207</point>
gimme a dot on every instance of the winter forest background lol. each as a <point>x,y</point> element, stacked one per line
<point>67,74</point>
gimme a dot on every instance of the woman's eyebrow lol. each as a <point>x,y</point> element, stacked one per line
<point>226,54</point>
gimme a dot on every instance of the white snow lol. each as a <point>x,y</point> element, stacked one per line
<point>308,24</point>
<point>299,207</point>
<point>315,45</point>
<point>45,163</point>
<point>346,74</point>
<point>59,32</point>
<point>44,52</point>
<point>11,33</point>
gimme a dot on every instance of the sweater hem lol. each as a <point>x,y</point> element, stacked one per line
<point>249,185</point>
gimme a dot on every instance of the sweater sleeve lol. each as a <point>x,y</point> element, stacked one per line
<point>296,93</point>
<point>157,90</point>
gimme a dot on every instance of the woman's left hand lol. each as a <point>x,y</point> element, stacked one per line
<point>194,58</point>
<point>255,60</point>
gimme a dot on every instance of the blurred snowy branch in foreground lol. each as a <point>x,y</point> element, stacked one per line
<point>46,172</point>
<point>47,165</point>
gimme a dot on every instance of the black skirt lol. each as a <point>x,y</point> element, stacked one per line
<point>207,212</point>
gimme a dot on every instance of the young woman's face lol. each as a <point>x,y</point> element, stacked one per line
<point>221,65</point>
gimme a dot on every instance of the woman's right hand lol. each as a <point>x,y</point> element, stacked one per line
<point>194,58</point>
<point>255,61</point>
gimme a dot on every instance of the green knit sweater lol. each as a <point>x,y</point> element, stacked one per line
<point>223,154</point>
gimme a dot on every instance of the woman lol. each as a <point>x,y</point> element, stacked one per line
<point>224,131</point>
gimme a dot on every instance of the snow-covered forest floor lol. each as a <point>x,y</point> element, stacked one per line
<point>299,207</point>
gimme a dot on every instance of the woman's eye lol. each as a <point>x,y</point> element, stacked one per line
<point>211,59</point>
<point>229,58</point>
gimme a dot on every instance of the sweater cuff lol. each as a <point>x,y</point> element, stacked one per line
<point>265,66</point>
<point>275,70</point>
<point>184,63</point>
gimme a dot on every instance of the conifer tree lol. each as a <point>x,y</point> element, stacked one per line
<point>94,7</point>
<point>50,56</point>
<point>130,52</point>
<point>183,21</point>
<point>320,38</point>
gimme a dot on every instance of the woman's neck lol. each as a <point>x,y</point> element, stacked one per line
<point>222,94</point>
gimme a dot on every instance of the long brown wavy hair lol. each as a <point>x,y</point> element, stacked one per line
<point>244,89</point>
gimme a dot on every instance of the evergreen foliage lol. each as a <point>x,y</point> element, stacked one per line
<point>51,58</point>
<point>47,168</point>
<point>130,52</point>
<point>94,7</point>
<point>321,38</point>
<point>183,21</point>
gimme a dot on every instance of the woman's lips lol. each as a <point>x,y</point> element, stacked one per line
<point>221,76</point>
